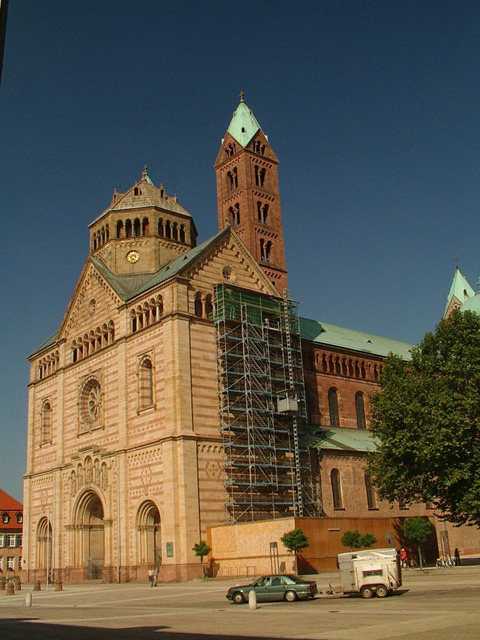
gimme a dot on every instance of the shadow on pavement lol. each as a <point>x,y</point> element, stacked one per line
<point>29,629</point>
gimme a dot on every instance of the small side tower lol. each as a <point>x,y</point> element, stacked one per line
<point>248,196</point>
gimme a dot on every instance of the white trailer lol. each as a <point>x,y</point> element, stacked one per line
<point>370,572</point>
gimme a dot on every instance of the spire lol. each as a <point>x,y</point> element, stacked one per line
<point>243,125</point>
<point>460,292</point>
<point>145,175</point>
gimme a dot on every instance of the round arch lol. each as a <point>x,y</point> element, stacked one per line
<point>89,533</point>
<point>44,544</point>
<point>148,524</point>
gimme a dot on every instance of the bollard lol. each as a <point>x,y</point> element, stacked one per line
<point>58,586</point>
<point>37,586</point>
<point>28,600</point>
<point>252,599</point>
<point>10,588</point>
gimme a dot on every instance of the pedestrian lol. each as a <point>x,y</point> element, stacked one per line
<point>404,559</point>
<point>155,576</point>
<point>457,557</point>
<point>150,577</point>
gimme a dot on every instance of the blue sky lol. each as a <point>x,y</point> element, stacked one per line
<point>371,107</point>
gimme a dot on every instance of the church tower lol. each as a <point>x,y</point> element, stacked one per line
<point>142,230</point>
<point>248,196</point>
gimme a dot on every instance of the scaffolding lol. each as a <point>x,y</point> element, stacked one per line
<point>262,406</point>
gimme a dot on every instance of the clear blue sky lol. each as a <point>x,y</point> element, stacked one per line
<point>371,107</point>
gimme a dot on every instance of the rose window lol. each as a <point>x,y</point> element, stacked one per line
<point>92,402</point>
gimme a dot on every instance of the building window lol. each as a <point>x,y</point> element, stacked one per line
<point>5,518</point>
<point>336,489</point>
<point>19,540</point>
<point>333,407</point>
<point>11,541</point>
<point>146,384</point>
<point>260,176</point>
<point>1,541</point>
<point>371,497</point>
<point>11,563</point>
<point>209,306</point>
<point>198,305</point>
<point>20,562</point>
<point>360,409</point>
<point>46,424</point>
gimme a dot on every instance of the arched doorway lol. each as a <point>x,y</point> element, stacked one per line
<point>149,535</point>
<point>90,534</point>
<point>44,545</point>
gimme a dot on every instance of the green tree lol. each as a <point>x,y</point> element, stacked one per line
<point>294,541</point>
<point>417,530</point>
<point>355,540</point>
<point>201,550</point>
<point>426,422</point>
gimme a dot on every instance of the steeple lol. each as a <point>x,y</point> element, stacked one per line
<point>459,293</point>
<point>248,196</point>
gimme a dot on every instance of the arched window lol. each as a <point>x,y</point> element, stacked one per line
<point>46,423</point>
<point>360,408</point>
<point>160,228</point>
<point>262,249</point>
<point>174,231</point>
<point>145,384</point>
<point>209,306</point>
<point>333,407</point>
<point>120,229</point>
<point>268,250</point>
<point>145,227</point>
<point>198,305</point>
<point>168,231</point>
<point>182,233</point>
<point>128,228</point>
<point>264,213</point>
<point>136,227</point>
<point>371,497</point>
<point>336,489</point>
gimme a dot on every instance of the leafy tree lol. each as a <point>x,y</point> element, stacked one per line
<point>417,530</point>
<point>201,550</point>
<point>294,541</point>
<point>355,540</point>
<point>426,421</point>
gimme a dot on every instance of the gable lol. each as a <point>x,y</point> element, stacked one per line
<point>228,261</point>
<point>93,303</point>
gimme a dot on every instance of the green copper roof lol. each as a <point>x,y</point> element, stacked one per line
<point>460,289</point>
<point>338,337</point>
<point>339,439</point>
<point>243,125</point>
<point>472,304</point>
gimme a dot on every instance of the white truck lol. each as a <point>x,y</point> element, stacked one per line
<point>369,572</point>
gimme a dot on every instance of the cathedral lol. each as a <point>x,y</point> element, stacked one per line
<point>182,391</point>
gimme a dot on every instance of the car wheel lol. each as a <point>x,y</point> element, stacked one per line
<point>291,596</point>
<point>238,597</point>
<point>366,592</point>
<point>382,591</point>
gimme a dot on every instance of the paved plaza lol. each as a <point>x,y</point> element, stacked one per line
<point>436,604</point>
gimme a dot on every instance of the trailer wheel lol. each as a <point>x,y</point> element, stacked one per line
<point>382,591</point>
<point>366,592</point>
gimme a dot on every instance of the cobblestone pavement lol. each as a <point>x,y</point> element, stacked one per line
<point>436,604</point>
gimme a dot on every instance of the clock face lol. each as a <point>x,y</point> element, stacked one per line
<point>133,256</point>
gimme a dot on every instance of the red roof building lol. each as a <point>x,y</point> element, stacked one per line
<point>11,527</point>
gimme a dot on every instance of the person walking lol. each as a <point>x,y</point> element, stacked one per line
<point>150,577</point>
<point>404,559</point>
<point>457,557</point>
